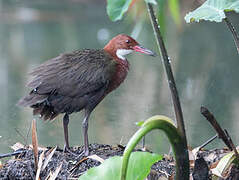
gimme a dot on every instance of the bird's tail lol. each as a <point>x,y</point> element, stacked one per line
<point>39,105</point>
<point>31,99</point>
<point>46,112</point>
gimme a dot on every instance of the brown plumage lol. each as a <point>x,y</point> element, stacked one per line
<point>79,80</point>
<point>64,84</point>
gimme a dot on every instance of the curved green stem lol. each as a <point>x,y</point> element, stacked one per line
<point>178,144</point>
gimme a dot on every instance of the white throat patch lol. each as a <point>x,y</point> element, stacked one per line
<point>122,52</point>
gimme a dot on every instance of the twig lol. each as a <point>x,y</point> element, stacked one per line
<point>24,139</point>
<point>167,66</point>
<point>208,141</point>
<point>28,132</point>
<point>12,154</point>
<point>232,144</point>
<point>197,149</point>
<point>76,165</point>
<point>221,134</point>
<point>234,33</point>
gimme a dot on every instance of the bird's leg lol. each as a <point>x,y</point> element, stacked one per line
<point>65,126</point>
<point>85,133</point>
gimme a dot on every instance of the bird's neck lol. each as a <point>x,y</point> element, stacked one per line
<point>122,61</point>
<point>122,67</point>
<point>120,74</point>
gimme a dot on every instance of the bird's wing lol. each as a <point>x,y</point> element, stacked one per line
<point>75,74</point>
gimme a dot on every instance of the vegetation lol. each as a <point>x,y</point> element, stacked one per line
<point>137,165</point>
<point>211,10</point>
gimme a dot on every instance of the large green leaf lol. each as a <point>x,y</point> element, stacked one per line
<point>161,15</point>
<point>139,167</point>
<point>117,8</point>
<point>175,10</point>
<point>212,10</point>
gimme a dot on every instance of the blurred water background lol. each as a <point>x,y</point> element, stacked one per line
<point>203,56</point>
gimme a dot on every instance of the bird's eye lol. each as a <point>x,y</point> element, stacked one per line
<point>127,41</point>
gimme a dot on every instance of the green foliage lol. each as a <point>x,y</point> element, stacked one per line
<point>161,15</point>
<point>117,8</point>
<point>177,142</point>
<point>162,10</point>
<point>175,11</point>
<point>212,10</point>
<point>139,167</point>
<point>140,123</point>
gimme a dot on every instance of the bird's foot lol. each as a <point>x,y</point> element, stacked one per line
<point>67,149</point>
<point>84,153</point>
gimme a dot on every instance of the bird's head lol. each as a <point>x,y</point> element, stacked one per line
<point>122,44</point>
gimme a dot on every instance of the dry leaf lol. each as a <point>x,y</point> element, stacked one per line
<point>17,146</point>
<point>223,165</point>
<point>56,172</point>
<point>48,158</point>
<point>195,151</point>
<point>97,158</point>
<point>39,165</point>
<point>191,158</point>
<point>213,165</point>
<point>35,143</point>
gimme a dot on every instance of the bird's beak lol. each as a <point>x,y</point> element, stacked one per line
<point>141,49</point>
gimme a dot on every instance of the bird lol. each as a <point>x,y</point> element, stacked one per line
<point>79,80</point>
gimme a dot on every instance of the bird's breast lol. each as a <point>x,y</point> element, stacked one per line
<point>119,76</point>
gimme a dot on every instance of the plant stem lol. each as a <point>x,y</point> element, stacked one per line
<point>212,120</point>
<point>234,33</point>
<point>15,153</point>
<point>176,141</point>
<point>232,144</point>
<point>167,66</point>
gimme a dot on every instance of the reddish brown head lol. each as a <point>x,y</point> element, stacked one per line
<point>122,45</point>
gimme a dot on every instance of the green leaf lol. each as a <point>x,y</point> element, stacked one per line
<point>212,10</point>
<point>151,1</point>
<point>140,123</point>
<point>117,8</point>
<point>175,11</point>
<point>177,142</point>
<point>161,15</point>
<point>139,167</point>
